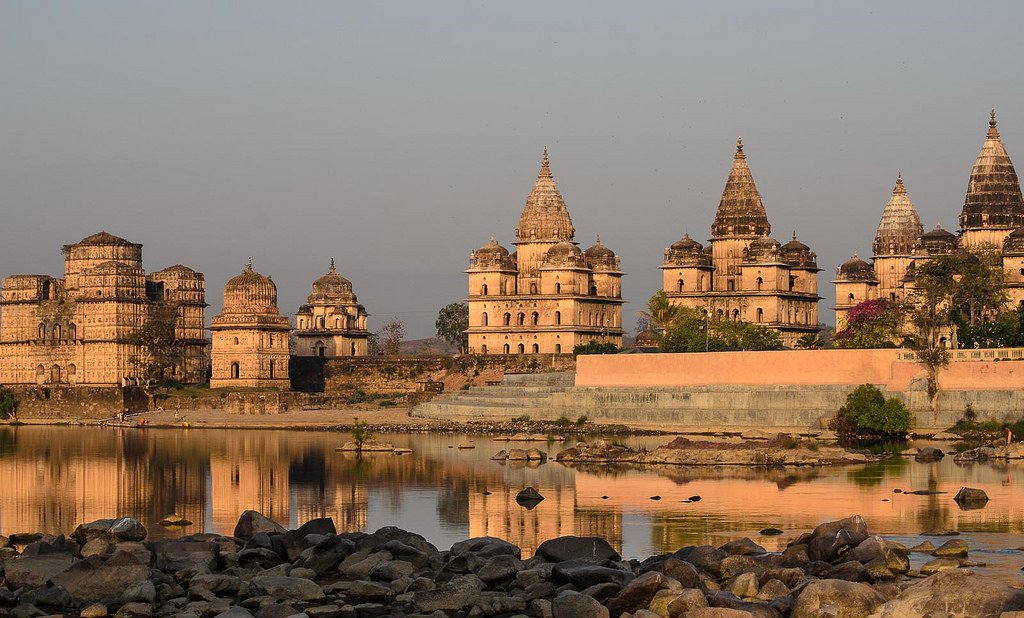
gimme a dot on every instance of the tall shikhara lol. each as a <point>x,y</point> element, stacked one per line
<point>548,296</point>
<point>993,206</point>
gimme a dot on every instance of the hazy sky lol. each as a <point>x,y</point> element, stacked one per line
<point>397,136</point>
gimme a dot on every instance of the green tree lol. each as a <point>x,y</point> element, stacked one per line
<point>595,347</point>
<point>361,433</point>
<point>159,350</point>
<point>868,412</point>
<point>810,341</point>
<point>660,312</point>
<point>691,330</point>
<point>8,403</point>
<point>452,322</point>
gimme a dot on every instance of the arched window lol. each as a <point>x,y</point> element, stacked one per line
<point>46,288</point>
<point>792,282</point>
<point>236,340</point>
<point>72,370</point>
<point>700,284</point>
<point>42,331</point>
<point>271,370</point>
<point>536,348</point>
<point>72,331</point>
<point>679,286</point>
<point>483,319</point>
<point>483,290</point>
<point>892,295</point>
<point>593,290</point>
<point>353,349</point>
<point>760,314</point>
<point>851,298</point>
<point>735,314</point>
<point>721,314</point>
<point>760,282</point>
<point>234,371</point>
<point>535,318</point>
<point>533,288</point>
<point>337,322</point>
<point>508,319</point>
<point>506,349</point>
<point>558,346</point>
<point>321,321</point>
<point>522,349</point>
<point>483,349</point>
<point>55,374</point>
<point>558,286</point>
<point>521,319</point>
<point>558,317</point>
<point>731,285</point>
<point>321,349</point>
<point>56,332</point>
<point>40,374</point>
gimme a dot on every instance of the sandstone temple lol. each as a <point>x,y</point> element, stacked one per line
<point>992,220</point>
<point>548,296</point>
<point>745,274</point>
<point>76,330</point>
<point>331,323</point>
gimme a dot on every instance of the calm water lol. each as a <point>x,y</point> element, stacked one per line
<point>53,478</point>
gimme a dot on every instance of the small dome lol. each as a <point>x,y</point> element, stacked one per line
<point>647,339</point>
<point>687,252</point>
<point>938,241</point>
<point>797,253</point>
<point>601,258</point>
<point>795,245</point>
<point>492,256</point>
<point>1014,243</point>
<point>250,292</point>
<point>331,287</point>
<point>686,244</point>
<point>563,253</point>
<point>104,239</point>
<point>763,249</point>
<point>492,248</point>
<point>599,251</point>
<point>856,269</point>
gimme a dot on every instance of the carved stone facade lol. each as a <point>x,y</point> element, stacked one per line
<point>992,220</point>
<point>744,274</point>
<point>549,295</point>
<point>74,330</point>
<point>331,323</point>
<point>250,336</point>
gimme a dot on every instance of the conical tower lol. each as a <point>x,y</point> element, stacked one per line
<point>994,206</point>
<point>545,221</point>
<point>739,220</point>
<point>896,241</point>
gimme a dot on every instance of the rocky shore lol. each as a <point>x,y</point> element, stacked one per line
<point>108,567</point>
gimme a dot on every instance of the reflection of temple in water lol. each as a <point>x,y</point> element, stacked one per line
<point>500,515</point>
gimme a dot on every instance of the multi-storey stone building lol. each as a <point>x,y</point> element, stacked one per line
<point>250,336</point>
<point>990,222</point>
<point>75,330</point>
<point>744,274</point>
<point>549,295</point>
<point>331,323</point>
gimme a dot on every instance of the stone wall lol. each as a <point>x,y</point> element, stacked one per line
<point>80,402</point>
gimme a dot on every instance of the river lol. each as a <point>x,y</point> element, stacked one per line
<point>55,477</point>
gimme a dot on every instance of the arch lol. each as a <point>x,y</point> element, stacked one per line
<point>760,282</point>
<point>46,288</point>
<point>760,314</point>
<point>533,288</point>
<point>521,348</point>
<point>558,317</point>
<point>483,319</point>
<point>483,290</point>
<point>40,374</point>
<point>236,340</point>
<point>679,285</point>
<point>521,319</point>
<point>536,348</point>
<point>483,349</point>
<point>731,285</point>
<point>792,283</point>
<point>736,314</point>
<point>320,321</point>
<point>721,314</point>
<point>353,348</point>
<point>558,286</point>
<point>851,297</point>
<point>558,346</point>
<point>321,349</point>
<point>72,370</point>
<point>271,369</point>
<point>56,332</point>
<point>508,319</point>
<point>42,331</point>
<point>507,349</point>
<point>892,295</point>
<point>700,284</point>
<point>593,290</point>
<point>234,371</point>
<point>55,374</point>
<point>72,331</point>
<point>337,322</point>
<point>535,318</point>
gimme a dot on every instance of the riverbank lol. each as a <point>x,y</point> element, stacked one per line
<point>108,567</point>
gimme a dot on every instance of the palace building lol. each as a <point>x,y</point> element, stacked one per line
<point>744,273</point>
<point>331,323</point>
<point>548,296</point>
<point>250,336</point>
<point>75,330</point>
<point>992,220</point>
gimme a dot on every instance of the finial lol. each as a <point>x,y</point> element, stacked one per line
<point>598,240</point>
<point>545,167</point>
<point>739,143</point>
<point>332,263</point>
<point>899,188</point>
<point>938,225</point>
<point>248,266</point>
<point>794,234</point>
<point>993,133</point>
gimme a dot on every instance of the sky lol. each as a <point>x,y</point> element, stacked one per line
<point>398,136</point>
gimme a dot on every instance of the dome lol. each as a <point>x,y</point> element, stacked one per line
<point>763,249</point>
<point>599,251</point>
<point>647,339</point>
<point>938,241</point>
<point>797,253</point>
<point>856,269</point>
<point>900,228</point>
<point>686,252</point>
<point>1014,243</point>
<point>492,248</point>
<point>563,253</point>
<point>740,212</point>
<point>331,287</point>
<point>686,244</point>
<point>600,257</point>
<point>545,217</point>
<point>250,292</point>
<point>993,197</point>
<point>104,239</point>
<point>492,255</point>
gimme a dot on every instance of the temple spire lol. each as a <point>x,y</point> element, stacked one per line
<point>993,133</point>
<point>899,227</point>
<point>739,148</point>
<point>332,264</point>
<point>899,189</point>
<point>248,266</point>
<point>544,217</point>
<point>545,167</point>
<point>740,212</point>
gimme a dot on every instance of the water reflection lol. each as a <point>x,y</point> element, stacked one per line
<point>53,478</point>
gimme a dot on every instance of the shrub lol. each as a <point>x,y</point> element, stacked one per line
<point>521,419</point>
<point>8,403</point>
<point>970,415</point>
<point>595,347</point>
<point>868,412</point>
<point>563,421</point>
<point>582,420</point>
<point>361,433</point>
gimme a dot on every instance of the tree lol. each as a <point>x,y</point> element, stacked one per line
<point>361,433</point>
<point>868,412</point>
<point>873,324</point>
<point>811,341</point>
<point>595,347</point>
<point>159,350</point>
<point>390,337</point>
<point>659,314</point>
<point>8,403</point>
<point>452,322</point>
<point>691,330</point>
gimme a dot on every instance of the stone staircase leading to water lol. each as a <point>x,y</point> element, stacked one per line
<point>526,394</point>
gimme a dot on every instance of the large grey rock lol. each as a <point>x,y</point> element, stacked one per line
<point>327,554</point>
<point>953,548</point>
<point>705,558</point>
<point>575,605</point>
<point>970,495</point>
<point>637,594</point>
<point>35,571</point>
<point>110,530</point>
<point>679,570</point>
<point>171,556</point>
<point>954,593</point>
<point>219,584</point>
<point>286,588</point>
<point>455,595</point>
<point>251,523</point>
<point>836,598</point>
<point>576,548</point>
<point>497,568</point>
<point>586,575</point>
<point>929,453</point>
<point>742,547</point>
<point>94,581</point>
<point>485,546</point>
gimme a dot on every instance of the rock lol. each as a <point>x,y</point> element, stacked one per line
<point>924,547</point>
<point>687,601</point>
<point>363,591</point>
<point>485,546</point>
<point>771,589</point>
<point>679,570</point>
<point>360,564</point>
<point>286,588</point>
<point>96,547</point>
<point>501,455</point>
<point>638,593</point>
<point>831,546</point>
<point>734,565</point>
<point>455,595</point>
<point>369,446</point>
<point>219,584</point>
<point>705,558</point>
<point>953,548</point>
<point>855,523</point>
<point>94,581</point>
<point>575,605</point>
<point>134,610</point>
<point>171,556</point>
<point>34,571</point>
<point>586,575</point>
<point>517,454</point>
<point>529,497</point>
<point>140,592</point>
<point>465,445</point>
<point>325,556</point>
<point>175,521</point>
<point>498,568</point>
<point>744,585</point>
<point>577,548</point>
<point>836,598</point>
<point>236,612</point>
<point>968,495</point>
<point>945,435</point>
<point>717,612</point>
<point>850,571</point>
<point>251,523</point>
<point>110,530</point>
<point>742,547</point>
<point>535,454</point>
<point>939,564</point>
<point>95,610</point>
<point>929,453</point>
<point>954,593</point>
<point>771,532</point>
<point>390,570</point>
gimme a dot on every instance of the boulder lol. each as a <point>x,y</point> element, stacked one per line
<point>251,523</point>
<point>497,568</point>
<point>501,455</point>
<point>587,575</point>
<point>953,548</point>
<point>485,546</point>
<point>94,581</point>
<point>517,454</point>
<point>687,601</point>
<point>529,498</point>
<point>742,547</point>
<point>571,604</point>
<point>175,521</point>
<point>535,454</point>
<point>638,593</point>
<point>705,558</point>
<point>325,556</point>
<point>925,547</point>
<point>939,564</point>
<point>96,610</point>
<point>286,588</point>
<point>453,596</point>
<point>110,530</point>
<point>35,571</point>
<point>577,548</point>
<point>954,593</point>
<point>718,612</point>
<point>171,556</point>
<point>836,598</point>
<point>679,570</point>
<point>744,585</point>
<point>968,495</point>
<point>929,453</point>
<point>855,523</point>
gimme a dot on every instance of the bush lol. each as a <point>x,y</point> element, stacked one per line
<point>8,403</point>
<point>868,412</point>
<point>361,433</point>
<point>521,419</point>
<point>563,421</point>
<point>582,420</point>
<point>595,347</point>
